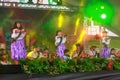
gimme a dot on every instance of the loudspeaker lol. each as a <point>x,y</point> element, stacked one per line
<point>11,69</point>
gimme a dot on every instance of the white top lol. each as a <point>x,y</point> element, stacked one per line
<point>107,42</point>
<point>92,53</point>
<point>14,34</point>
<point>112,56</point>
<point>57,40</point>
<point>75,54</point>
<point>5,63</point>
<point>66,57</point>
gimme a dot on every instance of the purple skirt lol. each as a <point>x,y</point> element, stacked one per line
<point>105,53</point>
<point>60,50</point>
<point>18,50</point>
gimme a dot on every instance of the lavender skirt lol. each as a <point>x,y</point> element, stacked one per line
<point>18,50</point>
<point>105,53</point>
<point>60,50</point>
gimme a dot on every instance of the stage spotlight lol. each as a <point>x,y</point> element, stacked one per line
<point>103,16</point>
<point>81,36</point>
<point>101,12</point>
<point>60,20</point>
<point>76,26</point>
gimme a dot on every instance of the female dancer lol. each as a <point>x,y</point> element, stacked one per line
<point>59,42</point>
<point>18,50</point>
<point>105,52</point>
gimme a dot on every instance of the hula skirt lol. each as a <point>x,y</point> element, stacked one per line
<point>18,50</point>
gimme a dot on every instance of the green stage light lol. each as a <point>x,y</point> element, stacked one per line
<point>101,12</point>
<point>103,16</point>
<point>102,7</point>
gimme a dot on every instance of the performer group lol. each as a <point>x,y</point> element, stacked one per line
<point>18,49</point>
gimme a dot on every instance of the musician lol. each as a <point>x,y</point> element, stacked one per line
<point>60,40</point>
<point>18,50</point>
<point>105,52</point>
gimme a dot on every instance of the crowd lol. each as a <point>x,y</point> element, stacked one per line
<point>79,53</point>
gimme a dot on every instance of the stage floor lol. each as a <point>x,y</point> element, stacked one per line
<point>102,75</point>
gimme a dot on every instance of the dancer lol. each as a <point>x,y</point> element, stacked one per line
<point>60,43</point>
<point>18,50</point>
<point>105,52</point>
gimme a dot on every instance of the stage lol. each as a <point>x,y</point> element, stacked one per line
<point>102,75</point>
<point>81,22</point>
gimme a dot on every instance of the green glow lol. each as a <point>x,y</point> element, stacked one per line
<point>96,11</point>
<point>102,7</point>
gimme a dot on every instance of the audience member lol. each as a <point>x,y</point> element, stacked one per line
<point>4,60</point>
<point>34,54</point>
<point>66,54</point>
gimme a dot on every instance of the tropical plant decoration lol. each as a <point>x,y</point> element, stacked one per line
<point>57,66</point>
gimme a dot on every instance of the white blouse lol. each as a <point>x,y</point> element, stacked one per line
<point>14,34</point>
<point>107,42</point>
<point>57,40</point>
<point>5,63</point>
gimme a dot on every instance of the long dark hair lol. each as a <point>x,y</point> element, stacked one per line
<point>15,26</point>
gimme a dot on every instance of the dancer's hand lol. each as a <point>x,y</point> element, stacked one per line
<point>23,31</point>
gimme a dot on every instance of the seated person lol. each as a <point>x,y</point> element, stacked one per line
<point>53,55</point>
<point>34,54</point>
<point>77,52</point>
<point>117,55</point>
<point>113,53</point>
<point>4,60</point>
<point>92,52</point>
<point>84,55</point>
<point>2,51</point>
<point>45,53</point>
<point>66,54</point>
